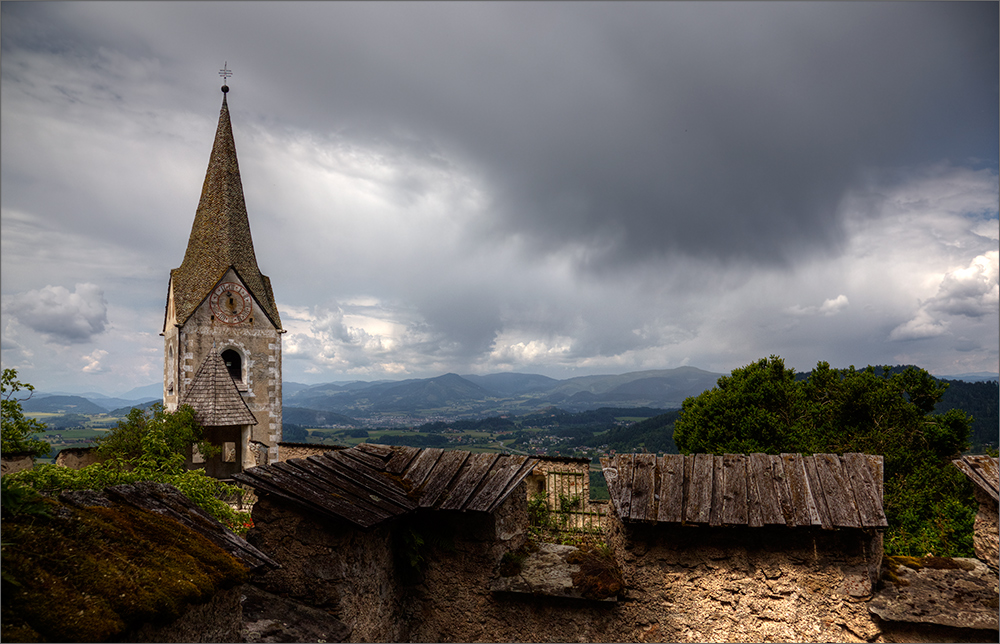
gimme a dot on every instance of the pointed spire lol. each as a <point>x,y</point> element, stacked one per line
<point>220,237</point>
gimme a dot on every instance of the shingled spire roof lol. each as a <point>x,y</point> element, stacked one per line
<point>214,396</point>
<point>220,237</point>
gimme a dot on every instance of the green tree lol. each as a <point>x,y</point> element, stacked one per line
<point>155,434</point>
<point>146,446</point>
<point>17,430</point>
<point>763,408</point>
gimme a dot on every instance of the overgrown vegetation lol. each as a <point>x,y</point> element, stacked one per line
<point>146,445</point>
<point>72,575</point>
<point>762,407</point>
<point>17,432</point>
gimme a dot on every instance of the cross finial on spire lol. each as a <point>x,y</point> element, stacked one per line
<point>225,73</point>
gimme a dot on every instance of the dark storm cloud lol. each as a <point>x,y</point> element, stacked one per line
<point>646,130</point>
<point>729,131</point>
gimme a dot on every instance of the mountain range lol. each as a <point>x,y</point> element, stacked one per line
<point>449,395</point>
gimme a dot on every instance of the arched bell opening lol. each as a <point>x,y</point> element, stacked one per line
<point>234,364</point>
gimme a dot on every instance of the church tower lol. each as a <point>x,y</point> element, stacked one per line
<point>221,331</point>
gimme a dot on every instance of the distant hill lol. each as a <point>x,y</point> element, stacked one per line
<point>513,384</point>
<point>979,376</point>
<point>61,405</point>
<point>145,392</point>
<point>123,411</point>
<point>314,418</point>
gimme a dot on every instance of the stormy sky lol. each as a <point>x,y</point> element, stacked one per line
<point>556,188</point>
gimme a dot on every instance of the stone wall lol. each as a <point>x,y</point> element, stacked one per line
<point>332,566</point>
<point>256,341</point>
<point>11,463</point>
<point>218,620</point>
<point>76,457</point>
<point>682,583</point>
<point>288,451</point>
<point>746,584</point>
<point>985,538</point>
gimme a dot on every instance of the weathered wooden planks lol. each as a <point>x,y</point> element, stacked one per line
<point>421,466</point>
<point>983,472</point>
<point>494,483</point>
<point>643,487</point>
<point>842,506</point>
<point>473,471</point>
<point>734,496</point>
<point>756,490</point>
<point>699,489</point>
<point>671,504</point>
<point>869,505</point>
<point>372,483</point>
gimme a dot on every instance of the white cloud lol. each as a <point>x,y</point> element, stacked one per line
<point>973,291</point>
<point>94,361</point>
<point>829,307</point>
<point>62,316</point>
<point>922,326</point>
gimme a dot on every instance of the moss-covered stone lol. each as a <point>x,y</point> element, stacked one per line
<point>90,574</point>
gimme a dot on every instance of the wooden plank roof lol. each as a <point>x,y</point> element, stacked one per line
<point>371,483</point>
<point>214,396</point>
<point>753,490</point>
<point>983,472</point>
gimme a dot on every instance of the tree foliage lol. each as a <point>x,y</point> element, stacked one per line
<point>762,408</point>
<point>146,445</point>
<point>16,430</point>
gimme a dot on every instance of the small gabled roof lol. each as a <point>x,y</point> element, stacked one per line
<point>755,490</point>
<point>220,236</point>
<point>214,396</point>
<point>983,472</point>
<point>370,483</point>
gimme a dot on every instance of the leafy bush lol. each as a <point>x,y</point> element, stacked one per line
<point>16,430</point>
<point>146,446</point>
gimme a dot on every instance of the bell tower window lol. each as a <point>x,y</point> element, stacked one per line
<point>234,363</point>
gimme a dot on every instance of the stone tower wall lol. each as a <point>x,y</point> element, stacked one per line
<point>256,340</point>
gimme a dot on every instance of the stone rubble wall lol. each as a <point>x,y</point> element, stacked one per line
<point>332,566</point>
<point>77,458</point>
<point>16,463</point>
<point>288,451</point>
<point>682,583</point>
<point>746,584</point>
<point>218,620</point>
<point>985,540</point>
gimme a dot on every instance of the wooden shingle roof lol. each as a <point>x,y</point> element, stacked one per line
<point>748,490</point>
<point>220,236</point>
<point>983,472</point>
<point>370,483</point>
<point>214,396</point>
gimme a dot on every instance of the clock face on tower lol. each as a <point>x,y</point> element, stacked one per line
<point>231,303</point>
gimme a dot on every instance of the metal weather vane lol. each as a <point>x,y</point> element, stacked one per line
<point>225,73</point>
